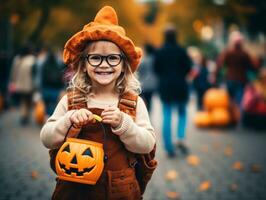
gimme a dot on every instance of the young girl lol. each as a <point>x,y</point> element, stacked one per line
<point>104,60</point>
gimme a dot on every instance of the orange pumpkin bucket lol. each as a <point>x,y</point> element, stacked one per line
<point>80,160</point>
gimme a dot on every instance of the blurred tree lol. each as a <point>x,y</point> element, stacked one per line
<point>45,7</point>
<point>254,14</point>
<point>32,16</point>
<point>53,22</point>
<point>150,16</point>
<point>246,13</point>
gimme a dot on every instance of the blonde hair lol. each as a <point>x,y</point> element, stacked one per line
<point>127,81</point>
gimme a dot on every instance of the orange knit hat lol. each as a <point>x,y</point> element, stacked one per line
<point>104,27</point>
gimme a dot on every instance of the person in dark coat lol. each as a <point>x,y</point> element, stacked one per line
<point>172,65</point>
<point>235,62</point>
<point>51,81</point>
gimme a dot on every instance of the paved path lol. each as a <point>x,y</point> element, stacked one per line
<point>25,172</point>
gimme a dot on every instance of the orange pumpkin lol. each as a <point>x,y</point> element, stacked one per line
<point>216,98</point>
<point>80,161</point>
<point>220,117</point>
<point>202,119</point>
<point>39,112</point>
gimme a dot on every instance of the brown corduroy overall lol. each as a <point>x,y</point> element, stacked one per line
<point>118,179</point>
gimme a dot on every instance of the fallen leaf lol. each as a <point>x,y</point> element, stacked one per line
<point>256,168</point>
<point>34,175</point>
<point>238,166</point>
<point>228,151</point>
<point>193,160</point>
<point>171,175</point>
<point>204,148</point>
<point>173,195</point>
<point>233,187</point>
<point>204,186</point>
<point>216,146</point>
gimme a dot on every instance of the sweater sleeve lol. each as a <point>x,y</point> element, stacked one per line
<point>138,136</point>
<point>54,130</point>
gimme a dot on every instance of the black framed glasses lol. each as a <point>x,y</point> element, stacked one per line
<point>96,60</point>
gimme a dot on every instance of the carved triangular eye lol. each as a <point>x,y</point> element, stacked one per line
<point>66,149</point>
<point>74,160</point>
<point>87,152</point>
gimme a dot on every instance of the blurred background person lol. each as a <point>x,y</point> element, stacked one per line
<point>254,102</point>
<point>147,76</point>
<point>51,79</point>
<point>172,66</point>
<point>21,82</point>
<point>234,63</point>
<point>199,75</point>
<point>41,57</point>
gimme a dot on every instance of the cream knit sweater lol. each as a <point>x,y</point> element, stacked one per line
<point>138,136</point>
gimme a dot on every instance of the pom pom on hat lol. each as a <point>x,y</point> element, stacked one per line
<point>104,27</point>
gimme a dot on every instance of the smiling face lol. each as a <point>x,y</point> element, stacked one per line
<point>104,74</point>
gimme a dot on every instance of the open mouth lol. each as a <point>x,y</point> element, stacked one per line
<point>104,73</point>
<point>75,170</point>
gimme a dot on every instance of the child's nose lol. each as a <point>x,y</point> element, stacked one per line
<point>104,63</point>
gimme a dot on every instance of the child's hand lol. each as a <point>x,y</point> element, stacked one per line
<point>81,117</point>
<point>112,116</point>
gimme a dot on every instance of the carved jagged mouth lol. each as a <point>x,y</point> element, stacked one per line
<point>75,170</point>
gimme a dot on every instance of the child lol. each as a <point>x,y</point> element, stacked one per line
<point>104,60</point>
<point>201,81</point>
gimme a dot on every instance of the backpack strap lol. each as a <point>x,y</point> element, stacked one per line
<point>128,103</point>
<point>144,164</point>
<point>75,99</point>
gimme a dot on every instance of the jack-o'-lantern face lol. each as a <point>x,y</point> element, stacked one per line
<point>80,161</point>
<point>68,160</point>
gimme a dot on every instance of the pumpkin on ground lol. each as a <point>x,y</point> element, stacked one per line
<point>39,112</point>
<point>80,161</point>
<point>216,98</point>
<point>202,119</point>
<point>220,117</point>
